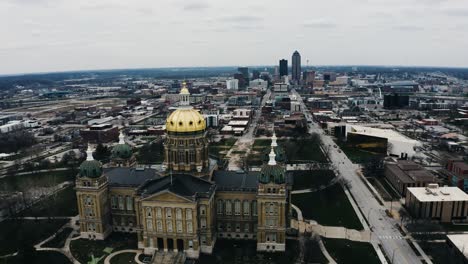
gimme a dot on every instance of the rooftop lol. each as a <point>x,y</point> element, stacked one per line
<point>236,180</point>
<point>121,176</point>
<point>181,184</point>
<point>460,241</point>
<point>438,194</point>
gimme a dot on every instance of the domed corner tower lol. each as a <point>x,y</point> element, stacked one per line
<point>186,146</point>
<point>122,154</point>
<point>92,197</point>
<point>272,200</point>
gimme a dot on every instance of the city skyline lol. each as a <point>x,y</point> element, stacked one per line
<point>116,35</point>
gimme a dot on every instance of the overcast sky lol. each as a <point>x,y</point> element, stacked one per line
<point>61,35</point>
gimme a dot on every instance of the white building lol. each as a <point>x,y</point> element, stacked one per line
<point>259,84</point>
<point>400,145</point>
<point>232,84</point>
<point>11,126</point>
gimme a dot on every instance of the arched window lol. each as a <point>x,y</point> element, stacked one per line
<point>228,207</point>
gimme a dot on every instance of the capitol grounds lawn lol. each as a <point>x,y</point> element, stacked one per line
<point>59,240</point>
<point>225,144</point>
<point>40,179</point>
<point>82,249</point>
<point>40,257</point>
<point>245,251</point>
<point>124,258</point>
<point>297,149</point>
<point>308,179</point>
<point>17,232</point>
<point>350,252</point>
<point>439,252</point>
<point>357,155</point>
<point>62,203</point>
<point>329,207</point>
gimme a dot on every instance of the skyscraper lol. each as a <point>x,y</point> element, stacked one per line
<point>296,67</point>
<point>283,67</point>
<point>245,72</point>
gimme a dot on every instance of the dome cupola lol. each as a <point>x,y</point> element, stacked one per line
<point>90,168</point>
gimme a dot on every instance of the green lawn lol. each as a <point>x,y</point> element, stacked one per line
<point>262,143</point>
<point>329,207</point>
<point>124,258</point>
<point>17,232</point>
<point>296,149</point>
<point>311,179</point>
<point>59,240</point>
<point>357,155</point>
<point>439,252</point>
<point>62,203</point>
<point>82,249</point>
<point>303,150</point>
<point>245,251</point>
<point>224,145</point>
<point>350,252</point>
<point>41,257</point>
<point>43,179</point>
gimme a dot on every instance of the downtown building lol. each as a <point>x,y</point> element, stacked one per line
<point>296,68</point>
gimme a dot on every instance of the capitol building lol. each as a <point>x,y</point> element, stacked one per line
<point>190,203</point>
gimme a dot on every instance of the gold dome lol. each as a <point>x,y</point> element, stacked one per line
<point>184,89</point>
<point>185,120</point>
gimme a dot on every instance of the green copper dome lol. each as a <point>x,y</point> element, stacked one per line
<point>91,169</point>
<point>272,174</point>
<point>122,151</point>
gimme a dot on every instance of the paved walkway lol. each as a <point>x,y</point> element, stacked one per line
<point>137,252</point>
<point>65,250</point>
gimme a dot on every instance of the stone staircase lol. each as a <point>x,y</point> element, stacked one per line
<point>169,257</point>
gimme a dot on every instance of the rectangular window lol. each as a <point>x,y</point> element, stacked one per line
<point>246,228</point>
<point>169,226</point>
<point>129,203</point>
<point>149,224</point>
<point>189,227</point>
<point>121,203</point>
<point>113,202</point>
<point>228,227</point>
<point>254,208</point>
<point>203,222</point>
<point>228,207</point>
<point>178,213</point>
<point>188,214</point>
<point>219,207</point>
<point>179,226</point>
<point>246,208</point>
<point>168,213</point>
<point>237,207</point>
<point>149,212</point>
<point>158,212</point>
<point>159,225</point>
<point>202,210</point>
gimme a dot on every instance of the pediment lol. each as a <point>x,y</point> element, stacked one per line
<point>167,196</point>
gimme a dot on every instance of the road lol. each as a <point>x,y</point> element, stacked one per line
<point>383,228</point>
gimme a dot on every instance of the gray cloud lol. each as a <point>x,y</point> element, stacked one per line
<point>196,6</point>
<point>319,23</point>
<point>408,28</point>
<point>242,19</point>
<point>461,12</point>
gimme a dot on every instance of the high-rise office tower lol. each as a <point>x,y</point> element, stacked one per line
<point>296,67</point>
<point>283,67</point>
<point>244,71</point>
